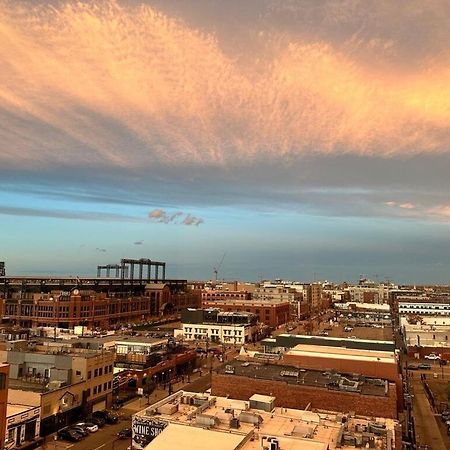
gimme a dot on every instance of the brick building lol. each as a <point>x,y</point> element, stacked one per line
<point>66,309</point>
<point>4,381</point>
<point>307,388</point>
<point>272,313</point>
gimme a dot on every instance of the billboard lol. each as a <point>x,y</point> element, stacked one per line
<point>145,429</point>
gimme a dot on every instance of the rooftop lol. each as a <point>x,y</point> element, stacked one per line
<point>206,421</point>
<point>308,377</point>
<point>342,353</point>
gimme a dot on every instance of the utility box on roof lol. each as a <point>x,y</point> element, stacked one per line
<point>262,402</point>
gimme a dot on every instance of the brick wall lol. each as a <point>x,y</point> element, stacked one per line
<point>298,396</point>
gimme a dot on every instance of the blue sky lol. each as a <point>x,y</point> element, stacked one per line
<point>303,138</point>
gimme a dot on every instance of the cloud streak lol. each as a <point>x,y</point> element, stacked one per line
<point>179,217</point>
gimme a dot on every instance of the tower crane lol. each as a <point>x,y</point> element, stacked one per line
<point>216,268</point>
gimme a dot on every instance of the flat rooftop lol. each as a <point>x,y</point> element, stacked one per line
<point>13,409</point>
<point>202,421</point>
<point>342,353</point>
<point>291,340</point>
<point>306,377</point>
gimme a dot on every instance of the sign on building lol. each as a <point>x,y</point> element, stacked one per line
<point>145,429</point>
<point>2,269</point>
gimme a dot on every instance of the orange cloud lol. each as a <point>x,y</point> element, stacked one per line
<point>130,86</point>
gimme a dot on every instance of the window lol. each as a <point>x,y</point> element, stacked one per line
<point>2,381</point>
<point>105,386</point>
<point>89,374</point>
<point>99,388</point>
<point>95,372</point>
<point>95,390</point>
<point>100,371</point>
<point>88,392</point>
<point>78,372</point>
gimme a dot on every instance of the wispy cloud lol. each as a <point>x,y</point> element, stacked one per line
<point>138,243</point>
<point>179,217</point>
<point>102,76</point>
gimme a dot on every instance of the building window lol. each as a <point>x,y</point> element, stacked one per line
<point>78,372</point>
<point>2,381</point>
<point>95,372</point>
<point>105,386</point>
<point>89,375</point>
<point>95,390</point>
<point>99,388</point>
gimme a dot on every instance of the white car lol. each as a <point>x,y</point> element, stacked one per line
<point>432,356</point>
<point>91,427</point>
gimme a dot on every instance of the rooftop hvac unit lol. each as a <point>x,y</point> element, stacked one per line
<point>230,369</point>
<point>234,423</point>
<point>250,417</point>
<point>289,373</point>
<point>205,420</point>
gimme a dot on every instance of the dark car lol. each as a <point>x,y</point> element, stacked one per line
<point>124,434</point>
<point>413,367</point>
<point>69,435</point>
<point>107,416</point>
<point>424,366</point>
<point>98,421</point>
<point>80,430</point>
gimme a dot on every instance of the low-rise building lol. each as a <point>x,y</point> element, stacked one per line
<point>299,388</point>
<point>23,427</point>
<point>204,421</point>
<point>270,312</point>
<point>212,325</point>
<point>84,376</point>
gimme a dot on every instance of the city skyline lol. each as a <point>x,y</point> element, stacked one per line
<point>304,139</point>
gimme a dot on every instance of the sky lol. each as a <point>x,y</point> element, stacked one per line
<point>304,139</point>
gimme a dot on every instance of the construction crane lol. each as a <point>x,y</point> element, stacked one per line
<point>216,269</point>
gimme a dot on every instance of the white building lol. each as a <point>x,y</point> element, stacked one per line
<point>225,333</point>
<point>406,307</point>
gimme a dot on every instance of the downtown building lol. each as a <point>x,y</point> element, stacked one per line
<point>213,325</point>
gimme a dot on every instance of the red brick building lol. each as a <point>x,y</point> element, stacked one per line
<point>271,313</point>
<point>93,309</point>
<point>299,390</point>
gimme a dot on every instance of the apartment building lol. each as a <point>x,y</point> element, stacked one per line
<point>216,326</point>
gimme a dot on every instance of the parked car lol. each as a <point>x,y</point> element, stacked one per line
<point>323,333</point>
<point>107,416</point>
<point>91,427</point>
<point>124,433</point>
<point>348,329</point>
<point>81,430</point>
<point>413,367</point>
<point>424,366</point>
<point>432,356</point>
<point>69,435</point>
<point>445,416</point>
<point>97,421</point>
